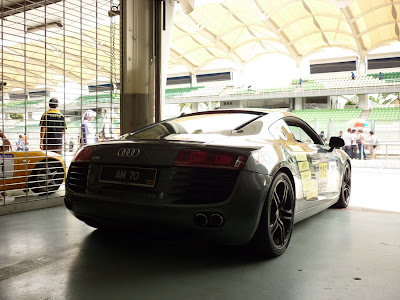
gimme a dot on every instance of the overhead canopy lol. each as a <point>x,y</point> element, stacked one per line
<point>241,30</point>
<point>46,41</point>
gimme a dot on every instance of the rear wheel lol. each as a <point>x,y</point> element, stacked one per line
<point>47,177</point>
<point>345,190</point>
<point>276,224</point>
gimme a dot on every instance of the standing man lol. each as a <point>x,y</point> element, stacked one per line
<point>52,128</point>
<point>347,142</point>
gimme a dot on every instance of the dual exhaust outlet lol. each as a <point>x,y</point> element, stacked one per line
<point>208,220</point>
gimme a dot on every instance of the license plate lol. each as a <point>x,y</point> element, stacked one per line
<point>128,176</point>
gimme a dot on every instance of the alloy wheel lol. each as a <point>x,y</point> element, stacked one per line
<point>281,214</point>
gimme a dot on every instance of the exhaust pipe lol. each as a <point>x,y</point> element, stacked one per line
<point>216,220</point>
<point>200,220</point>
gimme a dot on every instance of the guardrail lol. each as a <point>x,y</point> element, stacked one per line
<point>385,145</point>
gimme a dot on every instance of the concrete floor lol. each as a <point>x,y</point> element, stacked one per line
<point>338,254</point>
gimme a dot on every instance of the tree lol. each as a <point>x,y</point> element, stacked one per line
<point>385,99</point>
<point>16,116</point>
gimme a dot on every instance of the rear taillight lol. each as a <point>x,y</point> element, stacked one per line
<point>83,155</point>
<point>210,159</point>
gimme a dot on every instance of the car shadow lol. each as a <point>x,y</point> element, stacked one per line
<point>127,260</point>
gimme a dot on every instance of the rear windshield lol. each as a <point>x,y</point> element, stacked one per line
<point>215,123</point>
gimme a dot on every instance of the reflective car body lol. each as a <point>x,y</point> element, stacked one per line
<point>42,171</point>
<point>221,173</point>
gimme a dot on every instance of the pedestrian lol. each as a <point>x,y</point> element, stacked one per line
<point>20,144</point>
<point>52,128</point>
<point>373,144</point>
<point>71,145</point>
<point>353,76</point>
<point>88,131</point>
<point>322,136</point>
<point>6,145</point>
<point>347,142</point>
<point>300,82</point>
<point>25,141</point>
<point>353,144</point>
<point>380,76</point>
<point>360,143</point>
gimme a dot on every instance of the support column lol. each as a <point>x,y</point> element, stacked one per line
<point>138,67</point>
<point>298,103</point>
<point>332,102</point>
<point>193,80</point>
<point>362,68</point>
<point>363,101</point>
<point>195,107</point>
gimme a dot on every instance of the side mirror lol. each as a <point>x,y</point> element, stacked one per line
<point>335,142</point>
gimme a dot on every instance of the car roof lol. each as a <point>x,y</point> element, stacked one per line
<point>264,111</point>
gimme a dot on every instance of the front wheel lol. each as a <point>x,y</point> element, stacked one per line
<point>47,177</point>
<point>276,224</point>
<point>345,190</point>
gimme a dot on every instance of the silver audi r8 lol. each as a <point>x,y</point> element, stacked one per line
<point>236,176</point>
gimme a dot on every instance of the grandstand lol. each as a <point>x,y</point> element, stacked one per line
<point>369,83</point>
<point>323,115</point>
<point>385,113</point>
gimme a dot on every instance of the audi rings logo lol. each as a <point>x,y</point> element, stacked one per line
<point>128,152</point>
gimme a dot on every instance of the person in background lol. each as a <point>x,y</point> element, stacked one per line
<point>6,145</point>
<point>373,144</point>
<point>353,76</point>
<point>347,142</point>
<point>20,144</point>
<point>300,81</point>
<point>88,131</point>
<point>380,76</point>
<point>52,128</point>
<point>360,143</point>
<point>71,145</point>
<point>25,141</point>
<point>322,136</point>
<point>353,144</point>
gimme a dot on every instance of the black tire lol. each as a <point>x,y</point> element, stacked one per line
<point>345,189</point>
<point>276,223</point>
<point>47,177</point>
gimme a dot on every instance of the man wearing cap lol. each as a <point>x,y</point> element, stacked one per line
<point>52,128</point>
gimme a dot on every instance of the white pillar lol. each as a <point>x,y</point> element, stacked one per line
<point>362,67</point>
<point>195,107</point>
<point>298,103</point>
<point>193,80</point>
<point>363,101</point>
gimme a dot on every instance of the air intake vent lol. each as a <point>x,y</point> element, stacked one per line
<point>78,177</point>
<point>202,186</point>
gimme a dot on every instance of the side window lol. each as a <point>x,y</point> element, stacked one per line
<point>279,130</point>
<point>302,132</point>
<point>300,135</point>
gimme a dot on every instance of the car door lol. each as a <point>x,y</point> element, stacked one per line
<point>304,152</point>
<point>322,163</point>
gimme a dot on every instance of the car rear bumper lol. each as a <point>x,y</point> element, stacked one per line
<point>240,212</point>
